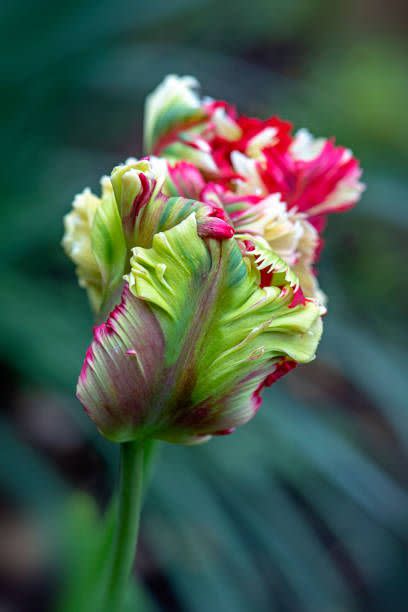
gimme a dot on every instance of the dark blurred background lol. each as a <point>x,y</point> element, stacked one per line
<point>306,508</point>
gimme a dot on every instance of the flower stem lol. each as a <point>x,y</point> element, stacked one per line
<point>127,525</point>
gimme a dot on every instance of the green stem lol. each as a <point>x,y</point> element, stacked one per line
<point>150,452</point>
<point>127,525</point>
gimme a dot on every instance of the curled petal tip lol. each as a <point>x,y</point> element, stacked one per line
<point>212,227</point>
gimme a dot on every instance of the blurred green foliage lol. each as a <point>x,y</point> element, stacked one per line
<point>306,508</point>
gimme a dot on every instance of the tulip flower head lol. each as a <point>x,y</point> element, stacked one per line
<point>200,261</point>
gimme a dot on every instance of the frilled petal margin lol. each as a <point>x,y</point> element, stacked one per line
<point>186,352</point>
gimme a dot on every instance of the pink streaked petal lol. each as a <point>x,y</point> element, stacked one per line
<point>309,185</point>
<point>248,128</point>
<point>121,372</point>
<point>187,179</point>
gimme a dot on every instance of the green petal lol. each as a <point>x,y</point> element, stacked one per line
<point>95,241</point>
<point>143,177</point>
<point>173,105</point>
<point>221,330</point>
<point>143,208</point>
<point>108,243</point>
<point>180,151</point>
